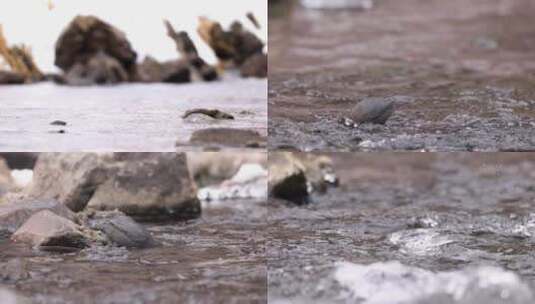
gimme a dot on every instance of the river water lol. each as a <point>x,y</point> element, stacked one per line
<point>130,117</point>
<point>460,75</point>
<point>410,228</point>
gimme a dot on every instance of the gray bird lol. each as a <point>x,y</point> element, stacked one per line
<point>369,110</point>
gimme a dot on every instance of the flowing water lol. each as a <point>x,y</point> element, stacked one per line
<point>410,228</point>
<point>219,258</point>
<point>460,74</point>
<point>130,117</point>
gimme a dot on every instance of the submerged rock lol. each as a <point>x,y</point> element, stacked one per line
<point>13,214</point>
<point>121,230</point>
<point>150,185</point>
<point>50,232</point>
<point>93,48</point>
<point>228,137</point>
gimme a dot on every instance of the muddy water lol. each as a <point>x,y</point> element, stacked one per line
<point>219,258</point>
<point>133,117</point>
<point>460,74</point>
<point>410,228</point>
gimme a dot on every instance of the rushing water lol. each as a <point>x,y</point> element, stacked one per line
<point>459,75</point>
<point>410,228</point>
<point>130,117</point>
<point>219,258</point>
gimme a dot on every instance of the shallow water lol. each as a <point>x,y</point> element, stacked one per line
<point>420,228</point>
<point>460,75</point>
<point>130,117</point>
<point>219,258</point>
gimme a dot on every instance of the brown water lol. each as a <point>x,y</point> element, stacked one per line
<point>219,258</point>
<point>460,73</point>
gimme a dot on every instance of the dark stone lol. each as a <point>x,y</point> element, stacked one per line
<point>7,77</point>
<point>372,110</point>
<point>122,230</point>
<point>58,123</point>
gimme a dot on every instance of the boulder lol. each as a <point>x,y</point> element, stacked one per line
<point>145,185</point>
<point>287,179</point>
<point>70,178</point>
<point>99,69</point>
<point>228,137</point>
<point>121,230</point>
<point>87,36</point>
<point>13,214</point>
<point>174,71</point>
<point>210,168</point>
<point>372,110</point>
<point>255,66</point>
<point>7,77</point>
<point>50,232</point>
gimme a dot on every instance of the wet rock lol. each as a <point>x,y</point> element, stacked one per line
<point>372,110</point>
<point>228,137</point>
<point>121,230</point>
<point>235,45</point>
<point>58,123</point>
<point>50,232</point>
<point>287,179</point>
<point>150,185</point>
<point>92,47</point>
<point>7,77</point>
<point>20,160</point>
<point>255,66</point>
<point>14,213</point>
<point>174,71</point>
<point>213,168</point>
<point>214,113</point>
<point>100,69</point>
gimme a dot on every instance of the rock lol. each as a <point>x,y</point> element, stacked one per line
<point>6,180</point>
<point>213,168</point>
<point>255,66</point>
<point>70,178</point>
<point>372,110</point>
<point>174,71</point>
<point>50,232</point>
<point>214,113</point>
<point>122,230</point>
<point>149,185</point>
<point>100,69</point>
<point>7,77</point>
<point>235,45</point>
<point>80,44</point>
<point>145,185</point>
<point>287,179</point>
<point>14,213</point>
<point>228,137</point>
<point>199,69</point>
<point>58,123</point>
<point>20,160</point>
